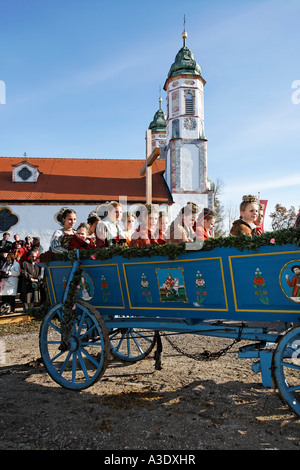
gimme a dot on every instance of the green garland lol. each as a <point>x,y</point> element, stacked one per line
<point>69,310</point>
<point>278,237</point>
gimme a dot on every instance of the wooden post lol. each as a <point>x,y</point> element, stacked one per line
<point>147,167</point>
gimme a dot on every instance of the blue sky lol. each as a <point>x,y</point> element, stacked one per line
<point>82,80</point>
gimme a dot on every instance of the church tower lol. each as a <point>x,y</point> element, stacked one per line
<point>186,144</point>
<point>158,129</point>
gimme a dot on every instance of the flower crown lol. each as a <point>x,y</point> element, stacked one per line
<point>250,198</point>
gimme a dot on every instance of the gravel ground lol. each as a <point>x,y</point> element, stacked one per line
<point>188,405</point>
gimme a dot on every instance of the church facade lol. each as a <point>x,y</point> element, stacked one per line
<point>31,189</point>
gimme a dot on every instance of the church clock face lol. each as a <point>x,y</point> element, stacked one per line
<point>189,124</point>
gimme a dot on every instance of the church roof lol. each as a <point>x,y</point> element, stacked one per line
<point>81,180</point>
<point>184,63</point>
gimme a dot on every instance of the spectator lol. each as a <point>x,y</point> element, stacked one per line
<point>5,243</point>
<point>3,257</point>
<point>18,250</point>
<point>36,244</point>
<point>27,244</point>
<point>32,274</point>
<point>10,273</point>
<point>17,240</point>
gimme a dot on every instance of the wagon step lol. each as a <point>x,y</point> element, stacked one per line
<point>264,352</point>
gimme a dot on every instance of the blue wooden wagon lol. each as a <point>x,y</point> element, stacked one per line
<point>118,301</point>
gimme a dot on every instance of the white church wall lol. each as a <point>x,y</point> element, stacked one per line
<point>39,220</point>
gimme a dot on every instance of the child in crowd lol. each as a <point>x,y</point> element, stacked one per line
<point>153,221</point>
<point>80,238</point>
<point>249,211</point>
<point>128,220</point>
<point>163,225</point>
<point>69,221</point>
<point>181,229</point>
<point>205,224</point>
<point>93,220</point>
<point>27,244</point>
<point>259,221</point>
<point>144,234</point>
<point>18,250</point>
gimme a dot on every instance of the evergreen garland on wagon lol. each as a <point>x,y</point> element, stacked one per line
<point>241,243</point>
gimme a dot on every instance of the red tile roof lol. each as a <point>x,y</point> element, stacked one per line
<point>82,180</point>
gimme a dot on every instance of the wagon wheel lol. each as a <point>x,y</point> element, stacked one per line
<point>131,344</point>
<point>286,368</point>
<point>84,361</point>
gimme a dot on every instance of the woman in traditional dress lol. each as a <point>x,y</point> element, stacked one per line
<point>9,275</point>
<point>69,221</point>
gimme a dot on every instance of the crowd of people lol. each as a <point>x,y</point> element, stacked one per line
<point>147,226</point>
<point>20,272</point>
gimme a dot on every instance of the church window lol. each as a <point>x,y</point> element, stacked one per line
<point>175,129</point>
<point>189,103</point>
<point>24,174</point>
<point>7,219</point>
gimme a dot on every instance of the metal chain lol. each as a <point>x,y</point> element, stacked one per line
<point>205,355</point>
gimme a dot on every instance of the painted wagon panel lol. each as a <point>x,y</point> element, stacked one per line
<point>221,284</point>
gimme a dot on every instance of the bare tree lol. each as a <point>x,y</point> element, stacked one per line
<point>283,217</point>
<point>219,209</point>
<point>232,213</point>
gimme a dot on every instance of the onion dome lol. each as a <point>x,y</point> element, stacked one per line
<point>184,62</point>
<point>159,122</point>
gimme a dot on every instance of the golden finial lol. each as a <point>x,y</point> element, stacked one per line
<point>159,99</point>
<point>184,34</point>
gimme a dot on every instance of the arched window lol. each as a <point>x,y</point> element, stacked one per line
<point>189,103</point>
